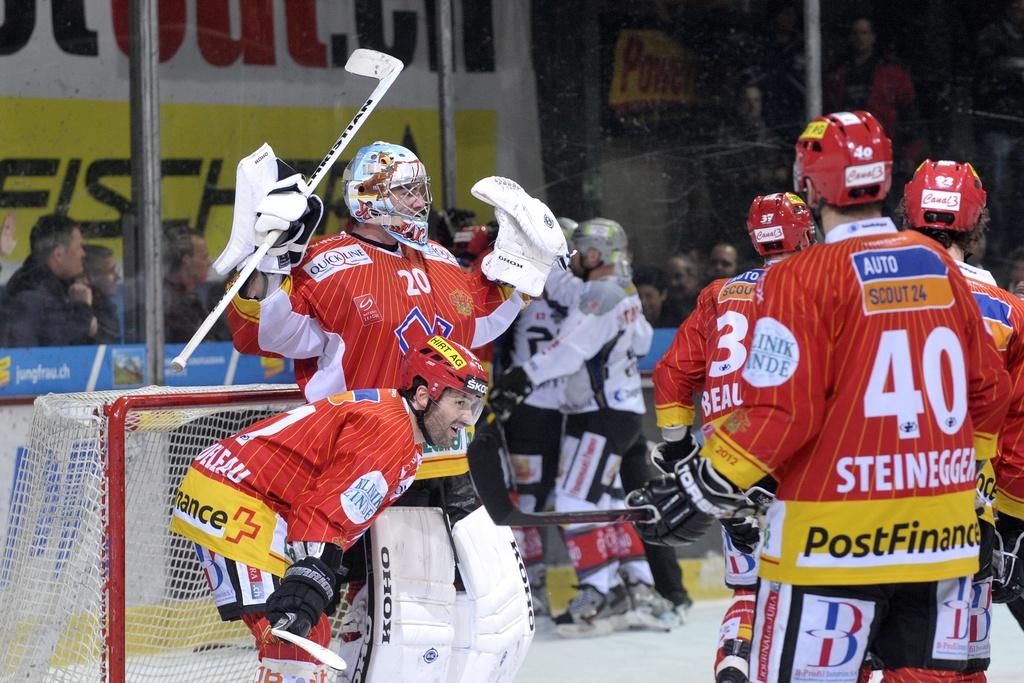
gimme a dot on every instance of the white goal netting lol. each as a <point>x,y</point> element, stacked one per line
<point>59,594</point>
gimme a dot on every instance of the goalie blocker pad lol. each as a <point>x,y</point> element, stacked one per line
<point>410,599</point>
<point>494,623</point>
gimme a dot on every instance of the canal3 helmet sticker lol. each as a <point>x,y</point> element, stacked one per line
<point>774,354</point>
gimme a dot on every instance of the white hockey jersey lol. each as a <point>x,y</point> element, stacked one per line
<point>597,347</point>
<point>535,328</point>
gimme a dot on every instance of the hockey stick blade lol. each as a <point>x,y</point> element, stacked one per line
<point>484,457</point>
<point>372,64</point>
<point>361,62</point>
<point>321,653</point>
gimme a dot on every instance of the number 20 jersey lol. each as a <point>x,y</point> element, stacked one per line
<point>349,311</point>
<point>870,387</point>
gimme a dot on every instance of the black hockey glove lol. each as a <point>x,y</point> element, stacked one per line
<point>686,500</point>
<point>1008,559</point>
<point>667,453</point>
<point>309,589</point>
<point>679,521</point>
<point>509,391</point>
<point>744,532</point>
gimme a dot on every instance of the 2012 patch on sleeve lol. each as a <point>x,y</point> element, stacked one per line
<point>774,354</point>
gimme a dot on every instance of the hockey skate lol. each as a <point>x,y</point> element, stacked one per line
<point>732,661</point>
<point>648,610</point>
<point>587,615</point>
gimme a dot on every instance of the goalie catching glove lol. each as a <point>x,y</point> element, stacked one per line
<point>269,196</point>
<point>308,590</point>
<point>529,240</point>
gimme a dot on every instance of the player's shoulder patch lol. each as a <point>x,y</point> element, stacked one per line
<point>740,287</point>
<point>601,296</point>
<point>774,354</point>
<point>902,279</point>
<point>338,256</point>
<point>435,252</point>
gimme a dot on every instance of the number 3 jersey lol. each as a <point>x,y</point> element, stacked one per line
<point>317,473</point>
<point>870,387</point>
<point>707,351</point>
<point>350,309</point>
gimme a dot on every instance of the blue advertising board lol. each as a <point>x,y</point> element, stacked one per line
<point>41,370</point>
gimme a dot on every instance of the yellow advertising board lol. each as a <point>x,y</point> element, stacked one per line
<point>651,71</point>
<point>72,156</point>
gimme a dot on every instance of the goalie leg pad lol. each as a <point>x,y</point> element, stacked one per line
<point>494,623</point>
<point>410,599</point>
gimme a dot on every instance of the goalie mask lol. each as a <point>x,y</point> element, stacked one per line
<point>443,365</point>
<point>387,185</point>
<point>779,223</point>
<point>843,159</point>
<point>944,195</point>
<point>608,238</point>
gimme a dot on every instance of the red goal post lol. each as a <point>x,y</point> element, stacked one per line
<point>94,585</point>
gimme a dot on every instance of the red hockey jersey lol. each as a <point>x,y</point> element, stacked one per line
<point>320,473</point>
<point>1003,313</point>
<point>870,388</point>
<point>707,352</point>
<point>350,309</point>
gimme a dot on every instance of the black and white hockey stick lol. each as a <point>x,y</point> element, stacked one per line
<point>362,62</point>
<point>485,455</point>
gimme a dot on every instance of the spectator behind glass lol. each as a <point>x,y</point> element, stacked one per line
<point>652,289</point>
<point>102,276</point>
<point>1015,284</point>
<point>867,81</point>
<point>722,262</point>
<point>8,238</point>
<point>186,264</point>
<point>783,82</point>
<point>1000,97</point>
<point>44,305</point>
<point>683,279</point>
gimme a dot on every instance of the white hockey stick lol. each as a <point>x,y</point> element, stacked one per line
<point>361,62</point>
<point>331,659</point>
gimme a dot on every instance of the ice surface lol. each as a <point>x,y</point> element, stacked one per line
<point>685,655</point>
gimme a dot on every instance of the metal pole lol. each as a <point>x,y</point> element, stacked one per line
<point>812,54</point>
<point>144,104</point>
<point>446,98</point>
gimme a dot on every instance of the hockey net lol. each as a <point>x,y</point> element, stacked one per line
<point>70,612</point>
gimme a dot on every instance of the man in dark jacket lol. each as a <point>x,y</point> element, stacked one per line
<point>186,263</point>
<point>44,304</point>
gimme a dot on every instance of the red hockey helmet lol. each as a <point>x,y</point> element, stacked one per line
<point>843,158</point>
<point>471,241</point>
<point>444,364</point>
<point>946,195</point>
<point>779,223</point>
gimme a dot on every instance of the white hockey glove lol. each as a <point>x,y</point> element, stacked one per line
<point>290,208</point>
<point>529,240</point>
